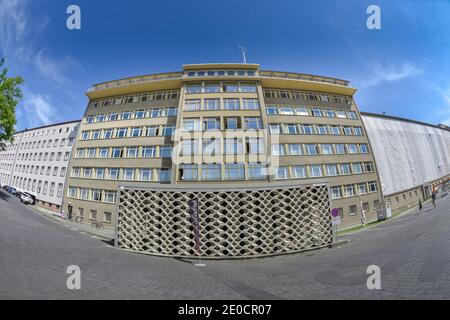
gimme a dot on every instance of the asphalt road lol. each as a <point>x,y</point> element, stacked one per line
<point>413,253</point>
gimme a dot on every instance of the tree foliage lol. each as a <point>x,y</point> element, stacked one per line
<point>10,95</point>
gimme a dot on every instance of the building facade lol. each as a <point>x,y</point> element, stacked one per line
<point>218,124</point>
<point>38,160</point>
<point>8,157</point>
<point>413,157</point>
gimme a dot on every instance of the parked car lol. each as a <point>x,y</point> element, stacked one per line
<point>12,190</point>
<point>27,198</point>
<point>5,187</point>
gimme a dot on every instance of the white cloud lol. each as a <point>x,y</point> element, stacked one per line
<point>390,74</point>
<point>13,26</point>
<point>38,110</point>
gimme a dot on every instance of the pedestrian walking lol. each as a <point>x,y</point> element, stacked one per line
<point>420,205</point>
<point>433,197</point>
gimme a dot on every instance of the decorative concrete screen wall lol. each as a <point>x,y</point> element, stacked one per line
<point>234,221</point>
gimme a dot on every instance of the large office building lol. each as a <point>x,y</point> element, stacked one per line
<point>219,125</point>
<point>36,162</point>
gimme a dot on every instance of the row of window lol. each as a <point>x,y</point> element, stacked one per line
<point>140,97</point>
<point>304,95</point>
<point>353,209</point>
<point>320,129</point>
<point>129,115</point>
<point>351,190</point>
<point>107,216</point>
<point>40,187</point>
<point>310,111</point>
<point>230,123</point>
<point>128,152</point>
<point>221,104</point>
<point>322,170</point>
<point>42,170</point>
<point>299,149</point>
<point>216,87</point>
<point>133,132</point>
<point>122,174</point>
<point>220,73</point>
<point>47,143</point>
<point>44,156</point>
<point>107,196</point>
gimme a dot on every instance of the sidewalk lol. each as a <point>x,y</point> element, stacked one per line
<point>104,233</point>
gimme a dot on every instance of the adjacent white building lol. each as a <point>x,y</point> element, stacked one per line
<point>407,153</point>
<point>37,162</point>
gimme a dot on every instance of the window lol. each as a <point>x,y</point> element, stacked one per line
<point>72,192</point>
<point>247,87</point>
<point>84,194</point>
<point>352,148</point>
<point>345,168</point>
<point>257,171</point>
<point>93,215</point>
<point>212,87</point>
<point>282,173</point>
<point>357,168</point>
<point>336,192</point>
<point>91,152</point>
<point>348,131</point>
<point>339,148</point>
<point>211,124</point>
<point>332,169</point>
<point>132,152</point>
<point>194,88</point>
<point>152,131</point>
<point>362,188</point>
<point>341,114</point>
<point>358,131</point>
<point>165,152</point>
<point>234,171</point>
<point>329,113</point>
<point>116,153</point>
<point>149,152</point>
<point>76,172</point>
<point>128,174</point>
<point>96,195</point>
<point>368,167</point>
<point>326,148</point>
<point>316,112</point>
<point>299,172</point>
<point>107,217</point>
<point>211,172</point>
<point>136,132</point>
<point>351,115</point>
<point>121,133</point>
<point>211,147</point>
<point>349,190</point>
<point>171,112</point>
<point>103,153</point>
<point>250,104</point>
<point>363,148</point>
<point>230,87</point>
<point>255,145</point>
<point>87,173</point>
<point>101,118</point>
<point>52,189</point>
<point>373,186</point>
<point>353,210</point>
<point>66,156</point>
<point>312,149</point>
<point>271,110</point>
<point>302,111</point>
<point>163,174</point>
<point>140,114</point>
<point>291,128</point>
<point>107,134</point>
<point>84,136</point>
<point>126,115</point>
<point>155,113</point>
<point>110,196</point>
<point>294,149</point>
<point>212,104</point>
<point>315,171</point>
<point>286,111</point>
<point>63,172</point>
<point>335,130</point>
<point>113,173</point>
<point>192,105</point>
<point>275,128</point>
<point>189,147</point>
<point>96,134</point>
<point>99,173</point>
<point>278,150</point>
<point>232,123</point>
<point>145,174</point>
<point>231,104</point>
<point>113,116</point>
<point>252,123</point>
<point>191,124</point>
<point>321,129</point>
<point>234,146</point>
<point>90,119</point>
<point>306,129</point>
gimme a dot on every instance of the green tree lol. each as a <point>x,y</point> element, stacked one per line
<point>10,95</point>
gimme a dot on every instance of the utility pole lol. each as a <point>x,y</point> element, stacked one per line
<point>244,54</point>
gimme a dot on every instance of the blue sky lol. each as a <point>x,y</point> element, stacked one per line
<point>402,69</point>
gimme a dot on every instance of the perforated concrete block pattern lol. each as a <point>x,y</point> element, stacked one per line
<point>242,223</point>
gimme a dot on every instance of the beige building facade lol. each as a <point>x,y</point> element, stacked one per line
<point>219,124</point>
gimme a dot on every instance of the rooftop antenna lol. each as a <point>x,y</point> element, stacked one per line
<point>244,53</point>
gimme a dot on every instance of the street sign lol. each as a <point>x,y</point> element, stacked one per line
<point>335,212</point>
<point>336,220</point>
